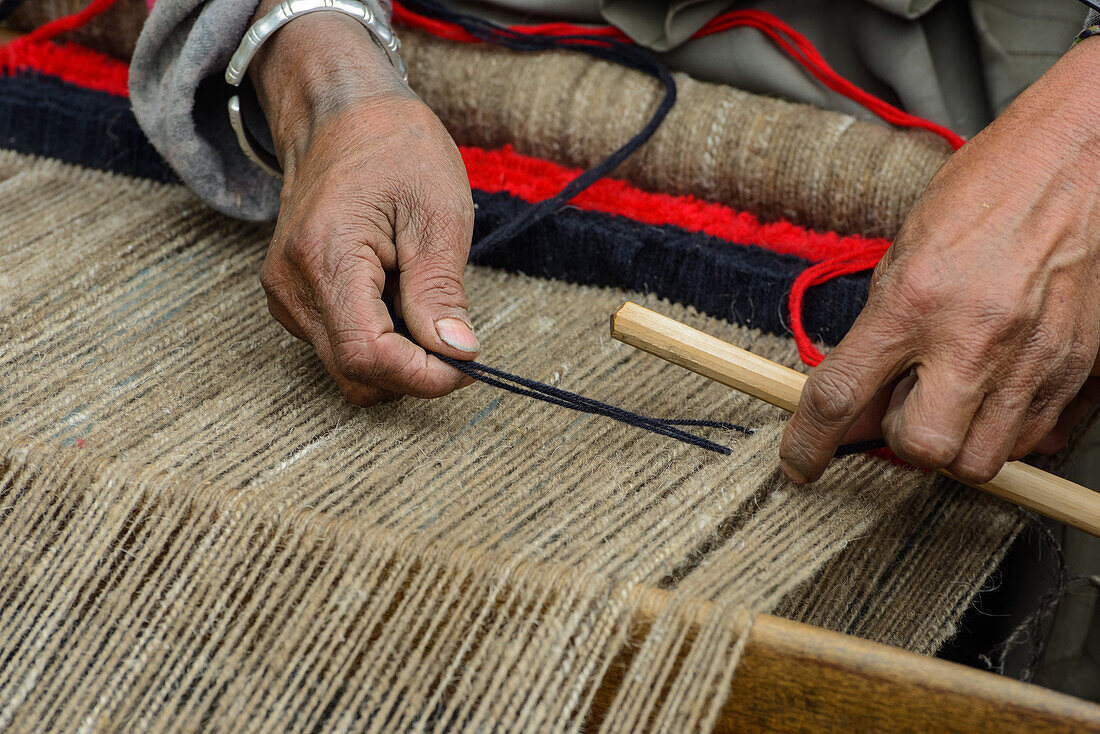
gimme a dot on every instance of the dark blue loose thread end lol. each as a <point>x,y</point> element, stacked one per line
<point>565,399</point>
<point>502,236</point>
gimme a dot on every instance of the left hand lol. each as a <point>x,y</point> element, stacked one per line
<point>983,321</point>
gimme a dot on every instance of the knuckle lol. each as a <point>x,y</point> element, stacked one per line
<point>1079,359</point>
<point>974,470</point>
<point>830,395</point>
<point>355,363</point>
<point>270,279</point>
<point>441,288</point>
<point>304,249</point>
<point>1001,318</point>
<point>923,286</point>
<point>919,447</point>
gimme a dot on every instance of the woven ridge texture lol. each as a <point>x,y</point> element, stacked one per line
<point>776,159</point>
<point>197,533</point>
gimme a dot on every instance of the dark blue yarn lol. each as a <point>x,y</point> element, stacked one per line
<point>492,243</point>
<point>565,399</point>
<point>42,115</point>
<point>743,284</point>
<point>573,401</point>
<point>860,447</point>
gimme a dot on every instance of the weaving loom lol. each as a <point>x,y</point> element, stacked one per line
<point>197,533</point>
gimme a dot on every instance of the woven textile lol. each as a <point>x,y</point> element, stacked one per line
<point>776,159</point>
<point>197,532</point>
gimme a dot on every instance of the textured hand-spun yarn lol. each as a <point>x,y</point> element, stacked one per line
<point>774,158</point>
<point>777,159</point>
<point>196,532</point>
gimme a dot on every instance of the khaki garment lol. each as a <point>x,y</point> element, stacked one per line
<point>956,62</point>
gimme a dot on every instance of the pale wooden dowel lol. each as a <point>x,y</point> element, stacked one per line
<point>781,386</point>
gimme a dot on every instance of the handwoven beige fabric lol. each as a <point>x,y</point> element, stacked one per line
<point>772,158</point>
<point>197,533</point>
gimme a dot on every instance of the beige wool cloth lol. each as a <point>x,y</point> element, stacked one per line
<point>196,531</point>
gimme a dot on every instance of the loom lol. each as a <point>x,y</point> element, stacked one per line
<point>197,534</point>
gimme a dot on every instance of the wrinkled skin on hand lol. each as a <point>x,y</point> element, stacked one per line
<point>375,209</point>
<point>982,326</point>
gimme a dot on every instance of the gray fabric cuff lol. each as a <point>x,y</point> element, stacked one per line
<point>179,95</point>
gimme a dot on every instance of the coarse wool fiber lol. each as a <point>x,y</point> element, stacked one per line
<point>774,158</point>
<point>197,533</point>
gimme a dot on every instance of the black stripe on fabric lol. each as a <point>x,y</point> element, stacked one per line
<point>745,284</point>
<point>42,115</point>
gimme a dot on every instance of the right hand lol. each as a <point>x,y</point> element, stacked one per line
<point>375,208</point>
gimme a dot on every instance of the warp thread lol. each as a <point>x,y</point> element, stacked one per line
<point>597,44</point>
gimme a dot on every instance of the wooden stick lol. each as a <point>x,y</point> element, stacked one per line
<point>781,386</point>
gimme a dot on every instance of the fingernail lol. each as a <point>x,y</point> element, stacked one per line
<point>793,474</point>
<point>456,333</point>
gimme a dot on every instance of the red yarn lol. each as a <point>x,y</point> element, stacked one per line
<point>787,38</point>
<point>802,50</point>
<point>857,261</point>
<point>70,62</point>
<point>534,179</point>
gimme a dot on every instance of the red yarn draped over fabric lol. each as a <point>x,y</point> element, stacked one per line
<point>69,62</point>
<point>93,70</point>
<point>866,254</point>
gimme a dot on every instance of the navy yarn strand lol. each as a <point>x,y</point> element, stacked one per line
<point>573,401</point>
<point>494,242</point>
<point>860,447</point>
<point>598,46</point>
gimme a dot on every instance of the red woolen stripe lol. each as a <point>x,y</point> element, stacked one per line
<point>793,43</point>
<point>505,170</point>
<point>69,62</point>
<point>533,179</point>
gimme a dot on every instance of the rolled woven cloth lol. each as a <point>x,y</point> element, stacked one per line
<point>774,158</point>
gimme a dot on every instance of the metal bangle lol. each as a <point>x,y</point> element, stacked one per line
<point>380,33</point>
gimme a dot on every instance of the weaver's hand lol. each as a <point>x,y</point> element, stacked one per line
<point>375,205</point>
<point>983,320</point>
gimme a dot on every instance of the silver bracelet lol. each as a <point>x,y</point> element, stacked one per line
<point>265,27</point>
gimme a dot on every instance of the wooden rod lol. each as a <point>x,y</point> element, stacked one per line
<point>1024,485</point>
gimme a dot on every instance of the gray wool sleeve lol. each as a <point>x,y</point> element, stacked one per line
<point>179,95</point>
